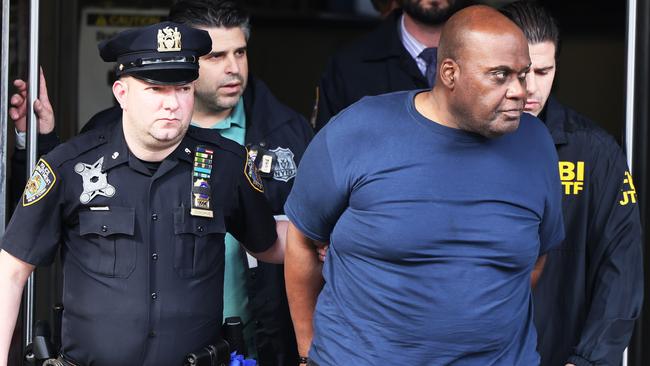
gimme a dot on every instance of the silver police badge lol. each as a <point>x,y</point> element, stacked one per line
<point>285,167</point>
<point>95,182</point>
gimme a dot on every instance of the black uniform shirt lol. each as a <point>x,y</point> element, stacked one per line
<point>591,290</point>
<point>143,278</point>
<point>275,127</point>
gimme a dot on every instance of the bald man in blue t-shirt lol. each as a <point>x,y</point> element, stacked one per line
<point>438,206</point>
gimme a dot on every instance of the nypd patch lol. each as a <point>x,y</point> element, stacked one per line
<point>285,167</point>
<point>251,173</point>
<point>39,184</point>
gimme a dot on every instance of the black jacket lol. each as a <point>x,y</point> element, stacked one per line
<point>376,64</point>
<point>591,290</point>
<point>274,126</point>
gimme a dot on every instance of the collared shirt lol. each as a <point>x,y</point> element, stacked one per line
<point>233,127</point>
<point>143,277</point>
<point>412,45</point>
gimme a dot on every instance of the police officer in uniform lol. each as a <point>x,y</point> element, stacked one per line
<point>591,291</point>
<point>241,107</point>
<point>140,208</point>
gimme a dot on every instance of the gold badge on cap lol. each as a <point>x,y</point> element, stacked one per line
<point>169,39</point>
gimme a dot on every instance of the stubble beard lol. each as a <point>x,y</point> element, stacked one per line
<point>497,126</point>
<point>210,101</point>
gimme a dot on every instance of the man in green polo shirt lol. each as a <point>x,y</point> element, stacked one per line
<point>242,108</point>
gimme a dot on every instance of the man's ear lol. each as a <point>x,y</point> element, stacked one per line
<point>449,73</point>
<point>120,91</point>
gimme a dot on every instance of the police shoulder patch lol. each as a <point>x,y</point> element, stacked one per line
<point>251,173</point>
<point>39,184</point>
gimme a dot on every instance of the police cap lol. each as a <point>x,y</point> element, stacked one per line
<point>165,53</point>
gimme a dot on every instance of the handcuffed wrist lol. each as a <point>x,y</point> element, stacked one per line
<point>303,360</point>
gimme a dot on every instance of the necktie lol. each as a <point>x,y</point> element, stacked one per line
<point>430,55</point>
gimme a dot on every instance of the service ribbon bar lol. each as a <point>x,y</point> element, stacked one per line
<point>200,182</point>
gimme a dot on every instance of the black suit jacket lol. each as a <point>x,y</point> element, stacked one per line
<point>375,64</point>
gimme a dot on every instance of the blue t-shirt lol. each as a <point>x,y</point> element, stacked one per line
<point>434,233</point>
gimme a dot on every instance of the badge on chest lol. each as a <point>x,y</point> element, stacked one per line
<point>277,163</point>
<point>95,182</point>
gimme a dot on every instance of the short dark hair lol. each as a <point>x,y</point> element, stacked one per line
<point>211,13</point>
<point>535,21</point>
